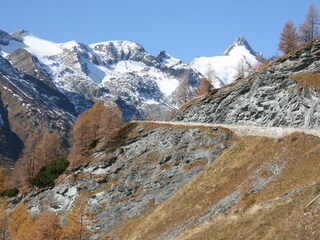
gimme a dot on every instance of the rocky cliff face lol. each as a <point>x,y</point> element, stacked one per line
<point>272,97</point>
<point>151,163</point>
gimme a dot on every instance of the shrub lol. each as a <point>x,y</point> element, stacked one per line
<point>10,192</point>
<point>46,176</point>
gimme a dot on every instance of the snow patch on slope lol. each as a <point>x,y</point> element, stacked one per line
<point>40,47</point>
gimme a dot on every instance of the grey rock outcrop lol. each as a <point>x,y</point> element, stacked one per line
<point>268,98</point>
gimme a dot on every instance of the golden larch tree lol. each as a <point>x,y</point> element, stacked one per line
<point>79,220</point>
<point>46,226</point>
<point>37,152</point>
<point>288,38</point>
<point>92,126</point>
<point>19,224</point>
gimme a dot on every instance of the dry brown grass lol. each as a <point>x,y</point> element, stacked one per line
<point>299,153</point>
<point>283,219</point>
<point>308,79</point>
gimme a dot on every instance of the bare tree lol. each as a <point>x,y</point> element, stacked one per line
<point>310,27</point>
<point>288,38</point>
<point>242,70</point>
<point>37,152</point>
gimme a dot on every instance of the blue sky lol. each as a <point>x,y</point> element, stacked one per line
<point>184,28</point>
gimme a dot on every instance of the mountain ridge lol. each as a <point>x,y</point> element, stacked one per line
<point>112,71</point>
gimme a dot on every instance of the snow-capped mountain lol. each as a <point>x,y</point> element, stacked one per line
<point>116,71</point>
<point>236,62</point>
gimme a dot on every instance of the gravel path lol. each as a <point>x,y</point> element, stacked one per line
<point>242,130</point>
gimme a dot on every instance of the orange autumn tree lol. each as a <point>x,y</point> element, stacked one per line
<point>37,153</point>
<point>19,224</point>
<point>22,226</point>
<point>46,227</point>
<point>79,221</point>
<point>92,126</point>
<point>288,38</point>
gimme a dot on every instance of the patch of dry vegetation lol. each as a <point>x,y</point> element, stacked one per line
<point>257,215</point>
<point>308,79</point>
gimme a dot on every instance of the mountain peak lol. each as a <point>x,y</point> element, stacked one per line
<point>163,54</point>
<point>19,34</point>
<point>167,59</point>
<point>240,41</point>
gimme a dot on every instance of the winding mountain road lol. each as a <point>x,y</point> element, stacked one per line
<point>244,130</point>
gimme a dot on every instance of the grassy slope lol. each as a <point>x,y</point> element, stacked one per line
<point>256,215</point>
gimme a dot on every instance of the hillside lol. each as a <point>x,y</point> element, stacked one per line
<point>257,189</point>
<point>286,93</point>
<point>29,106</point>
<point>158,182</point>
<point>145,167</point>
<point>238,163</point>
